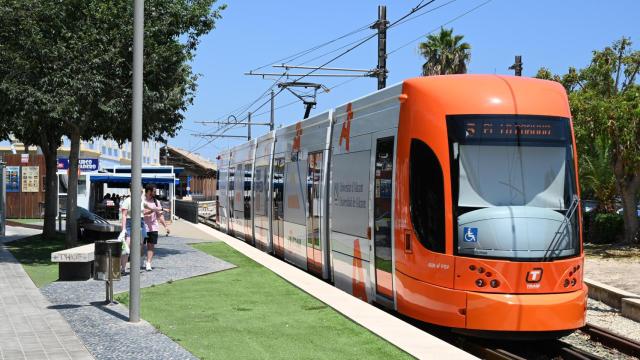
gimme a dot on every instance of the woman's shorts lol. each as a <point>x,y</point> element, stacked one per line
<point>152,238</point>
<point>143,229</point>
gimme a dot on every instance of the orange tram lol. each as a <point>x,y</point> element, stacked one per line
<point>453,200</point>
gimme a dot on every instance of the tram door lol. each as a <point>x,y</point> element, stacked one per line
<point>314,196</point>
<point>248,223</point>
<point>278,207</point>
<point>230,190</point>
<point>382,220</point>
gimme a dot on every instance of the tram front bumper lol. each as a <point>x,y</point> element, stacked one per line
<point>530,312</point>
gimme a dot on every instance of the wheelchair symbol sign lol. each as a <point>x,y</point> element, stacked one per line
<point>470,234</point>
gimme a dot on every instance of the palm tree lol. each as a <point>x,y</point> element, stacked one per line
<point>598,179</point>
<point>445,53</point>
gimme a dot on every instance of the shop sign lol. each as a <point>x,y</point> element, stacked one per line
<point>84,165</point>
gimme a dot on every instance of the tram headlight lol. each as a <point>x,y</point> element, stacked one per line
<point>494,283</point>
<point>480,283</point>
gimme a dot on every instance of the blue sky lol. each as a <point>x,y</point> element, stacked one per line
<point>556,34</point>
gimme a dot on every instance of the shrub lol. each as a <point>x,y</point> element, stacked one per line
<point>603,228</point>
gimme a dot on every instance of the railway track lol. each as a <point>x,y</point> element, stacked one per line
<point>612,340</point>
<point>552,349</point>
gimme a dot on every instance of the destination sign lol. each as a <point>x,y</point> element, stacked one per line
<point>471,129</point>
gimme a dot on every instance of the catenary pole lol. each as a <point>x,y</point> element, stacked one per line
<point>136,160</point>
<point>249,126</point>
<point>273,111</point>
<point>517,66</point>
<point>381,25</point>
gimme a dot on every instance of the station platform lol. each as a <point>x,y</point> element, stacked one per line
<point>401,334</point>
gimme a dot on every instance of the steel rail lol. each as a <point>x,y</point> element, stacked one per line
<point>610,339</point>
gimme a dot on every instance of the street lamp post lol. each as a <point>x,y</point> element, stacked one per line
<point>136,160</point>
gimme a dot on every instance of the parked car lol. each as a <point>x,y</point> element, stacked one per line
<point>621,211</point>
<point>589,205</point>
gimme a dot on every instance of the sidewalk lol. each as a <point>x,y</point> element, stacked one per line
<point>29,328</point>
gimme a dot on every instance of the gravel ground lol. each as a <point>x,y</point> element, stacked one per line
<point>607,317</point>
<point>105,330</point>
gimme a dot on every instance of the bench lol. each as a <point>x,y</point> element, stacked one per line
<point>75,263</point>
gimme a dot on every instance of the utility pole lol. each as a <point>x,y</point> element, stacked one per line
<point>249,126</point>
<point>273,111</point>
<point>517,66</point>
<point>381,25</point>
<point>136,159</point>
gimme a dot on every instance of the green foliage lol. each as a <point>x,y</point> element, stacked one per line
<point>596,174</point>
<point>603,228</point>
<point>605,104</point>
<point>276,320</point>
<point>445,53</point>
<point>71,61</point>
<point>66,69</point>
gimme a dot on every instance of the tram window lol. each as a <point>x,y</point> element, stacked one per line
<point>426,185</point>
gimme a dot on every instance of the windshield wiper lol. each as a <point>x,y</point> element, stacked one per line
<point>562,229</point>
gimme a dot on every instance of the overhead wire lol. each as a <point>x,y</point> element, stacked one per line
<point>412,11</point>
<point>441,25</point>
<point>299,54</point>
<point>357,43</point>
<point>398,22</point>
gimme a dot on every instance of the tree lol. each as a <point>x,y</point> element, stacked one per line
<point>26,105</point>
<point>89,87</point>
<point>605,105</point>
<point>597,178</point>
<point>445,53</point>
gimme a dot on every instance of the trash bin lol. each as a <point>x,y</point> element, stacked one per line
<point>107,254</point>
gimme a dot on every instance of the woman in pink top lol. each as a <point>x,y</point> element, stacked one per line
<point>153,213</point>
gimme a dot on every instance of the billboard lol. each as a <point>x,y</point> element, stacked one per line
<point>30,178</point>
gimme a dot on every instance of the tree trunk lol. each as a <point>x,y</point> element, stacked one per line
<point>72,193</point>
<point>628,187</point>
<point>50,150</point>
<point>630,205</point>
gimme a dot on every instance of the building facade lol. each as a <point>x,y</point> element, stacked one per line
<point>96,155</point>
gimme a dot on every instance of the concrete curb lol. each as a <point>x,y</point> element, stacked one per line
<point>627,302</point>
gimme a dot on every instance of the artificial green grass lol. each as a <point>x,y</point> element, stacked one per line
<point>251,313</point>
<point>34,253</point>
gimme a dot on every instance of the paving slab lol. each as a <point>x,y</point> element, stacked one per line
<point>29,328</point>
<point>105,330</point>
<point>400,333</point>
<point>620,273</point>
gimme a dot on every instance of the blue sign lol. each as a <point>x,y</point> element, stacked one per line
<point>85,165</point>
<point>470,234</point>
<point>12,179</point>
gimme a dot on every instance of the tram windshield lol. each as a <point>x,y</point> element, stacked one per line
<point>514,187</point>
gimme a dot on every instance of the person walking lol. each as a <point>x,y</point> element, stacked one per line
<point>125,213</point>
<point>153,213</point>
